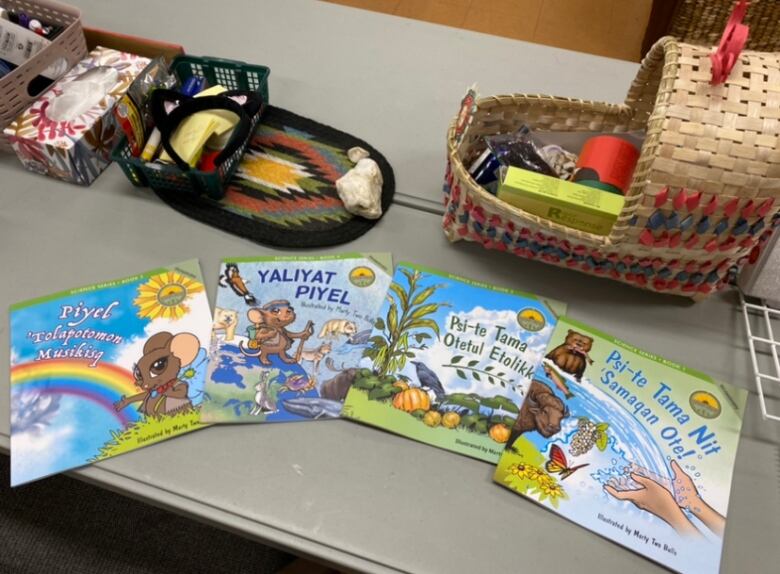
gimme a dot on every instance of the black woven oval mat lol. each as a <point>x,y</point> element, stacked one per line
<point>284,192</point>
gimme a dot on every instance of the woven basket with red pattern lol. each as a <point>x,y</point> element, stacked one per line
<point>705,192</point>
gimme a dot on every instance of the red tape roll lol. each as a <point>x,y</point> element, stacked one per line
<point>607,159</point>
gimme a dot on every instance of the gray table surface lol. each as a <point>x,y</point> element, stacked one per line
<point>346,494</point>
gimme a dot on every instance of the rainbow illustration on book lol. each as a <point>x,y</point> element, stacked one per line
<point>105,369</point>
<point>102,385</point>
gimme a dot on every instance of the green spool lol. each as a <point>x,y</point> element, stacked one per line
<point>600,185</point>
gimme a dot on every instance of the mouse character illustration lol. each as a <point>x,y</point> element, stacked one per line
<point>157,374</point>
<point>232,278</point>
<point>270,336</point>
<point>572,355</point>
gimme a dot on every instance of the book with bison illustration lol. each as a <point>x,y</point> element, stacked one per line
<point>627,444</point>
<point>449,360</point>
<point>288,333</point>
<point>105,369</point>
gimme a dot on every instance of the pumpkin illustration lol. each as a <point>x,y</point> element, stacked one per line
<point>450,420</point>
<point>403,385</point>
<point>432,418</point>
<point>499,433</point>
<point>412,399</point>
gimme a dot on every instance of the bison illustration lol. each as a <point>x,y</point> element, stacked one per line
<point>542,412</point>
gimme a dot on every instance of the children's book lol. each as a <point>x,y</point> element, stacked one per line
<point>449,360</point>
<point>106,369</point>
<point>629,445</point>
<point>288,332</point>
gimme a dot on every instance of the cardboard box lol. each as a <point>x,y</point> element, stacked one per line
<point>133,44</point>
<point>571,204</point>
<point>76,149</point>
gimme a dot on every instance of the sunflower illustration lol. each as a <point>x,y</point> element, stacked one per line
<point>165,295</point>
<point>519,470</point>
<point>552,490</point>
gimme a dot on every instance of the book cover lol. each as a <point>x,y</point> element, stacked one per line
<point>629,445</point>
<point>288,331</point>
<point>106,369</point>
<point>449,360</point>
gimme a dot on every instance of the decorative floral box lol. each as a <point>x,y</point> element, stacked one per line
<point>68,133</point>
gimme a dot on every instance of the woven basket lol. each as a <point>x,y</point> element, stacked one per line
<point>702,22</point>
<point>69,44</point>
<point>704,192</point>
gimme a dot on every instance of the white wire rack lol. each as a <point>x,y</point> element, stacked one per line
<point>761,323</point>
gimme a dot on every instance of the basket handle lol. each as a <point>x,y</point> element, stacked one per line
<point>653,77</point>
<point>167,123</point>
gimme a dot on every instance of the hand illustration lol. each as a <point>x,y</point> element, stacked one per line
<point>685,492</point>
<point>656,499</point>
<point>687,496</point>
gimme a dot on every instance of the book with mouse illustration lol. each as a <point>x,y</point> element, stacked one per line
<point>630,445</point>
<point>105,369</point>
<point>449,360</point>
<point>287,334</point>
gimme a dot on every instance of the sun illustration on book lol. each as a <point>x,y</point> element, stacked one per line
<point>163,295</point>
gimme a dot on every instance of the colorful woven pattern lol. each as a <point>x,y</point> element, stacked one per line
<point>283,192</point>
<point>682,275</point>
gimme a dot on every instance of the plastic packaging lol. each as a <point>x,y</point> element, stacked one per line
<point>519,149</point>
<point>132,110</point>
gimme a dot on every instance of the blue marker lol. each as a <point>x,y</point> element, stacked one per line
<point>193,85</point>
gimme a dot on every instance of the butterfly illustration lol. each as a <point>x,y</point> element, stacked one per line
<point>558,463</point>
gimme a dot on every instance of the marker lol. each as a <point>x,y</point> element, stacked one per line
<point>152,143</point>
<point>193,85</point>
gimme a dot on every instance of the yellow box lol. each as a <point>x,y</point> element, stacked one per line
<point>571,204</point>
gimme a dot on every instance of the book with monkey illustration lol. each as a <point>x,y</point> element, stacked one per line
<point>632,446</point>
<point>449,360</point>
<point>288,333</point>
<point>106,369</point>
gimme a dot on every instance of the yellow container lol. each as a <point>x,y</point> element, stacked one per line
<point>571,204</point>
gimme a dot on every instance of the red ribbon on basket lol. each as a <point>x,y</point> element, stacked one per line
<point>731,44</point>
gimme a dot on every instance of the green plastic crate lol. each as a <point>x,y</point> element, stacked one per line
<point>229,73</point>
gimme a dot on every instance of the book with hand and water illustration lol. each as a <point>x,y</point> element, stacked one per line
<point>630,445</point>
<point>449,360</point>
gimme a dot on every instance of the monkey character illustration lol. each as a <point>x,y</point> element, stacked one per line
<point>157,374</point>
<point>572,355</point>
<point>232,278</point>
<point>270,335</point>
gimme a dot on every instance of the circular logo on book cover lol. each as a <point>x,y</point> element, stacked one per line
<point>164,295</point>
<point>531,320</point>
<point>362,276</point>
<point>705,404</point>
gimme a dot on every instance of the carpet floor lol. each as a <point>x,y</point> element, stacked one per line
<point>60,524</point>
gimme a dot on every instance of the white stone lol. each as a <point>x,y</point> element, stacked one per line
<point>355,154</point>
<point>361,187</point>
